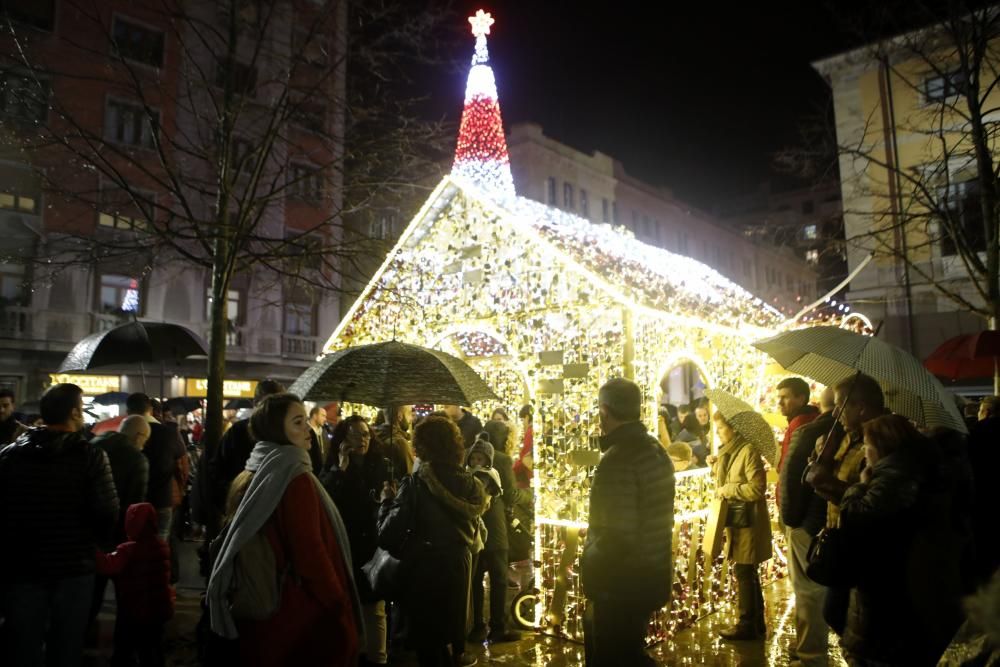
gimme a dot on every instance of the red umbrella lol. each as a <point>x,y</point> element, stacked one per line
<point>967,356</point>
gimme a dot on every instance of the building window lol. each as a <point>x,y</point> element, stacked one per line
<point>23,97</point>
<point>12,285</point>
<point>605,216</point>
<point>243,155</point>
<point>809,232</point>
<point>135,42</point>
<point>234,312</point>
<point>808,207</point>
<point>305,182</point>
<point>126,209</point>
<point>39,14</point>
<point>965,213</point>
<point>20,189</point>
<point>380,227</point>
<point>812,256</point>
<point>614,212</point>
<point>942,86</point>
<point>299,319</point>
<point>119,295</point>
<point>584,204</point>
<point>550,190</point>
<point>243,77</point>
<point>309,116</point>
<point>129,123</point>
<point>568,197</point>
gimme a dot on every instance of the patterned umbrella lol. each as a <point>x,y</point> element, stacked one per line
<point>745,421</point>
<point>391,373</point>
<point>831,354</point>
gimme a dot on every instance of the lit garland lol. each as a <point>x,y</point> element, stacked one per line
<point>481,154</point>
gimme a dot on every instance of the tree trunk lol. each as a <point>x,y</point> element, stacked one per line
<point>219,330</point>
<point>996,363</point>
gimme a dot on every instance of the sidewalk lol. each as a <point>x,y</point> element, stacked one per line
<point>698,645</point>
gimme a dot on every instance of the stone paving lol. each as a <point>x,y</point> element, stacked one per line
<point>698,645</point>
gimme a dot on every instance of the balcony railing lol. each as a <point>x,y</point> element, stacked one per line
<point>15,322</point>
<point>299,346</point>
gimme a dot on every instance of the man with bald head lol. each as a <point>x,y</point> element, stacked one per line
<point>129,468</point>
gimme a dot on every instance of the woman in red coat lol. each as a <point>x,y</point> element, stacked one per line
<point>317,621</point>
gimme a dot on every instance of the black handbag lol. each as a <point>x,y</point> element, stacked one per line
<point>385,574</point>
<point>829,561</point>
<point>739,514</point>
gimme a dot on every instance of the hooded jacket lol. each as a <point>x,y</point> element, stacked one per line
<point>628,551</point>
<point>141,568</point>
<point>56,495</point>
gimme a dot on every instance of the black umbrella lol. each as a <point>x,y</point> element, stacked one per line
<point>133,343</point>
<point>238,404</point>
<point>392,373</point>
<point>181,405</point>
<point>111,398</point>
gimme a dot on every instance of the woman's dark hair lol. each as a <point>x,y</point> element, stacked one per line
<point>692,425</point>
<point>340,432</point>
<point>890,432</point>
<point>526,411</point>
<point>438,440</point>
<point>504,416</point>
<point>267,423</point>
<point>58,402</point>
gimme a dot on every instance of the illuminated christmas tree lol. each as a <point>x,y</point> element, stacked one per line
<point>481,154</point>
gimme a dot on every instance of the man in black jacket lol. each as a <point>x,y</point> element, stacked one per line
<point>57,501</point>
<point>626,564</point>
<point>804,514</point>
<point>10,428</point>
<point>468,423</point>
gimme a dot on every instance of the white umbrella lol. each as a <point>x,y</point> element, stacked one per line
<point>830,355</point>
<point>746,421</point>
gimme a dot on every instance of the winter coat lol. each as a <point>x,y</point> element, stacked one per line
<point>627,555</point>
<point>314,625</point>
<point>229,459</point>
<point>739,473</point>
<point>356,492</point>
<point>129,469</point>
<point>11,430</point>
<point>57,500</point>
<point>984,456</point>
<point>905,606</point>
<point>470,426</point>
<point>807,414</point>
<point>448,503</point>
<point>800,507</point>
<point>140,568</point>
<point>161,451</point>
<point>501,510</point>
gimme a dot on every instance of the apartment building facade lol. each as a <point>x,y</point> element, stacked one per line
<point>809,221</point>
<point>597,187</point>
<point>274,330</point>
<point>897,107</point>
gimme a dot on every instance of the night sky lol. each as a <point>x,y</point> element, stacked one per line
<point>695,97</point>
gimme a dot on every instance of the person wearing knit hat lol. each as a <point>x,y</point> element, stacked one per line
<point>480,455</point>
<point>491,446</point>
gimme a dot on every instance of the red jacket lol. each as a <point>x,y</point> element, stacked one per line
<point>805,415</point>
<point>141,568</point>
<point>315,623</point>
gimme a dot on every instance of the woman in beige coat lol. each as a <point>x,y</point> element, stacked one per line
<point>740,476</point>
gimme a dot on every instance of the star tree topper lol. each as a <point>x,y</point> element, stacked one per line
<point>481,23</point>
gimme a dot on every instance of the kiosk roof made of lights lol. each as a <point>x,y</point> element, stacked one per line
<point>547,306</point>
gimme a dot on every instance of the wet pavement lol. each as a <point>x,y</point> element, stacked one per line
<point>698,645</point>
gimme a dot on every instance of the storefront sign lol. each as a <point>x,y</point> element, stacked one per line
<point>198,387</point>
<point>92,385</point>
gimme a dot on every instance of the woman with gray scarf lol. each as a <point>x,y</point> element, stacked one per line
<point>318,620</point>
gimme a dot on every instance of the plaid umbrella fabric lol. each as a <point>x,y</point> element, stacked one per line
<point>745,421</point>
<point>391,373</point>
<point>831,354</point>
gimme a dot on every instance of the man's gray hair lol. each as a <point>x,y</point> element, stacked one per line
<point>622,398</point>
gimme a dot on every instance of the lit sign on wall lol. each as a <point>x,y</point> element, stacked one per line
<point>198,387</point>
<point>92,385</point>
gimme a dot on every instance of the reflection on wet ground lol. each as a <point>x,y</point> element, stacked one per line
<point>699,645</point>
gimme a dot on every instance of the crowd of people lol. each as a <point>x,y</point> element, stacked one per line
<point>305,519</point>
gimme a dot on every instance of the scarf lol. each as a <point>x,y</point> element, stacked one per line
<point>274,467</point>
<point>474,502</point>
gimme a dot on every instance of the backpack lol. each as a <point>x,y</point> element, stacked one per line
<point>255,591</point>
